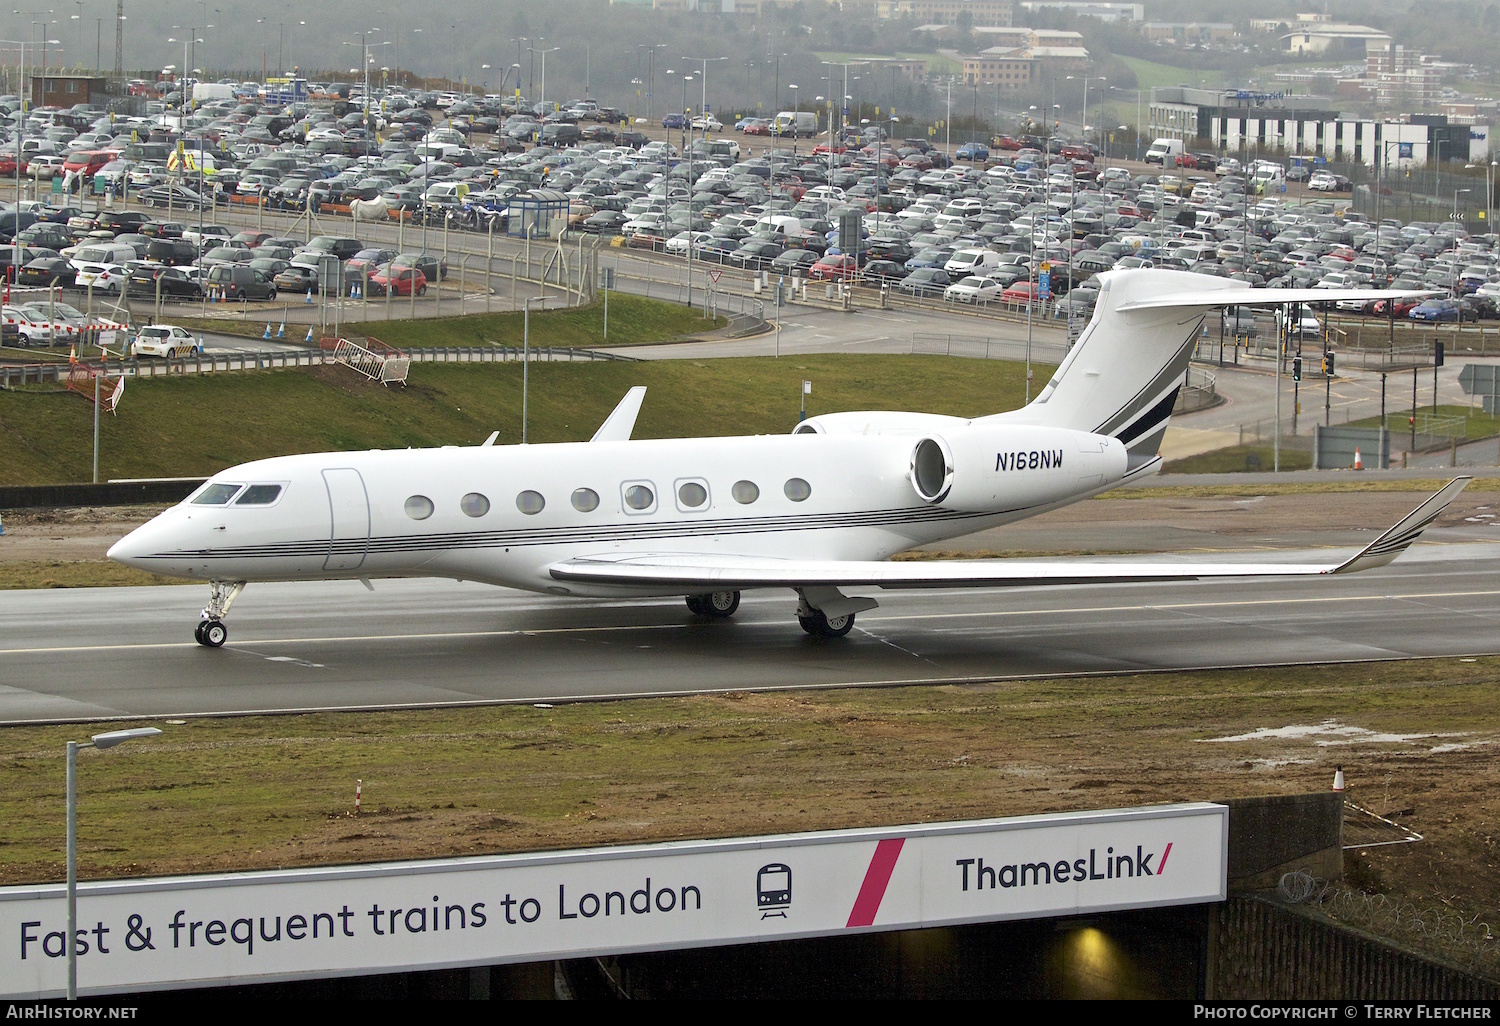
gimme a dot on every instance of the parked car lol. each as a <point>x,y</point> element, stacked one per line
<point>239,281</point>
<point>163,340</point>
<point>398,280</point>
<point>173,282</point>
<point>974,289</point>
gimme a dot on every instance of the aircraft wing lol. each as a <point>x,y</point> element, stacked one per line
<point>714,572</point>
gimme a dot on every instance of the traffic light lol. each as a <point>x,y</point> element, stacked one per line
<point>1328,363</point>
<point>1438,356</point>
<point>1296,368</point>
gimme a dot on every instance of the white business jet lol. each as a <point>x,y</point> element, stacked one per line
<point>817,511</point>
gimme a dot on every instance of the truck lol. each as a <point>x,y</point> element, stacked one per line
<point>212,91</point>
<point>1164,152</point>
<point>801,124</point>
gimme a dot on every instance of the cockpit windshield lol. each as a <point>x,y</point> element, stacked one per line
<point>216,494</point>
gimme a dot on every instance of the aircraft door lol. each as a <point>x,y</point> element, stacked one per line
<point>349,509</point>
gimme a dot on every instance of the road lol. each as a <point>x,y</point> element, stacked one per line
<point>108,653</point>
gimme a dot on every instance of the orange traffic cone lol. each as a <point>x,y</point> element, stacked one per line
<point>1358,463</point>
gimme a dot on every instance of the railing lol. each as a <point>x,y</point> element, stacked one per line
<point>44,373</point>
<point>1199,391</point>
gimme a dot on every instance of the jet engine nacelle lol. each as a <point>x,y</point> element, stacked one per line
<point>999,467</point>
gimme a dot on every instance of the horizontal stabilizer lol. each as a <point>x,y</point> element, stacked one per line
<point>1245,296</point>
<point>723,572</point>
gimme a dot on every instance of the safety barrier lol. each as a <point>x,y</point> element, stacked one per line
<point>40,374</point>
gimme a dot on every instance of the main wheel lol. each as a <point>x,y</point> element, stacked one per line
<point>241,294</point>
<point>697,604</point>
<point>215,633</point>
<point>421,290</point>
<point>820,625</point>
<point>272,296</point>
<point>198,632</point>
<point>721,604</point>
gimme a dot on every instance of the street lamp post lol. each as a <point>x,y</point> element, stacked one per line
<point>526,355</point>
<point>796,109</point>
<point>685,80</point>
<point>100,741</point>
<point>650,71</point>
<point>703,112</point>
<point>1456,268</point>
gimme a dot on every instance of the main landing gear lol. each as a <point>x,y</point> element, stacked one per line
<point>211,632</point>
<point>718,605</point>
<point>820,625</point>
<point>826,612</point>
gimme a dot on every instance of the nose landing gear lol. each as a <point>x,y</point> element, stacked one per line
<point>211,632</point>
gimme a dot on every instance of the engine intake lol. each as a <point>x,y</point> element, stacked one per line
<point>932,469</point>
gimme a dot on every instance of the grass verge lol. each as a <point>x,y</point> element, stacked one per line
<point>75,573</point>
<point>174,427</point>
<point>634,320</point>
<point>1237,459</point>
<point>265,792</point>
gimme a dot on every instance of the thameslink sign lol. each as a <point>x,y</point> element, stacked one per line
<point>170,932</point>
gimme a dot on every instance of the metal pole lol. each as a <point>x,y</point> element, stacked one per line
<point>1276,430</point>
<point>97,376</point>
<point>73,865</point>
<point>525,363</point>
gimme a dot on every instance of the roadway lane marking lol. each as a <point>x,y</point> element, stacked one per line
<point>523,632</point>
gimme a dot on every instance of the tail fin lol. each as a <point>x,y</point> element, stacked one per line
<point>1122,376</point>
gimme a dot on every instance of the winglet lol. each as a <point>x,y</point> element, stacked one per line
<point>619,424</point>
<point>1395,541</point>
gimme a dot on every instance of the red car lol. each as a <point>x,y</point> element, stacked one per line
<point>1403,306</point>
<point>834,267</point>
<point>8,165</point>
<point>400,280</point>
<point>1005,142</point>
<point>823,149</point>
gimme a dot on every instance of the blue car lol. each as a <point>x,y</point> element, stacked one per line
<point>972,151</point>
<point>1437,310</point>
<point>672,121</point>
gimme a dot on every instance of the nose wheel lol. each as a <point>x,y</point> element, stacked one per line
<point>211,632</point>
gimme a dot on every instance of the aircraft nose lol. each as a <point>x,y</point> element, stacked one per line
<point>131,549</point>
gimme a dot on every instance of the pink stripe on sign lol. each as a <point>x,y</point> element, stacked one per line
<point>1163,863</point>
<point>877,878</point>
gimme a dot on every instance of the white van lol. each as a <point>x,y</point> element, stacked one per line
<point>802,124</point>
<point>102,253</point>
<point>971,261</point>
<point>1164,152</point>
<point>778,224</point>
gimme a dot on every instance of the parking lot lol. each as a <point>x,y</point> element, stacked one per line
<point>309,215</point>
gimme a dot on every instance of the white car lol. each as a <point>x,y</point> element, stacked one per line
<point>44,167</point>
<point>1322,181</point>
<point>29,330</point>
<point>710,122</point>
<point>107,278</point>
<point>973,289</point>
<point>163,340</point>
